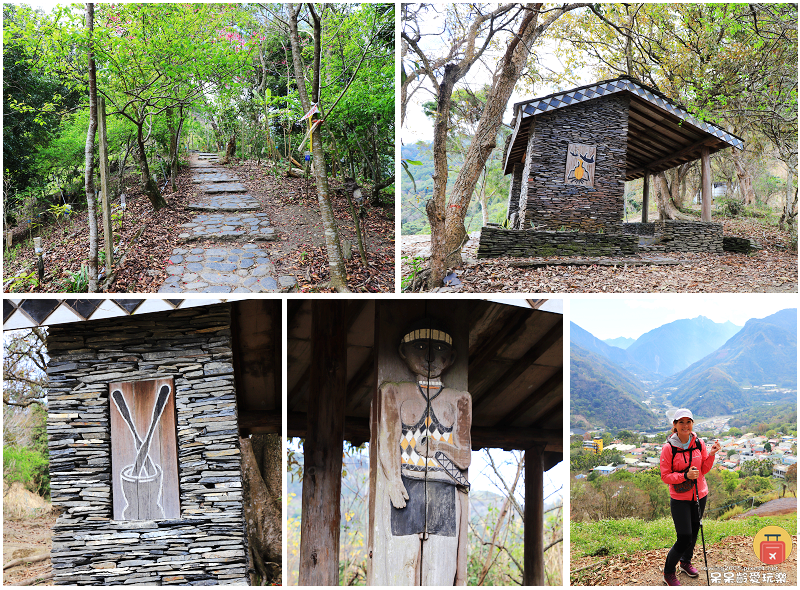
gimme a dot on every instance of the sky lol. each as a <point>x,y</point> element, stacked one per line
<point>419,127</point>
<point>606,317</point>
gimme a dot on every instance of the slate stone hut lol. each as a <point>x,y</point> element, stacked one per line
<point>509,359</point>
<point>570,155</point>
<point>146,404</point>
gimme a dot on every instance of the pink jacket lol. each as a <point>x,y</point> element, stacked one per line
<point>672,472</point>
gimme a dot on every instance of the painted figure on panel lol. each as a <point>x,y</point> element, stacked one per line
<point>142,480</point>
<point>423,445</point>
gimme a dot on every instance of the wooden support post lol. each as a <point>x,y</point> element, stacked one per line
<point>705,173</point>
<point>104,177</point>
<point>645,196</point>
<point>322,477</point>
<point>533,558</point>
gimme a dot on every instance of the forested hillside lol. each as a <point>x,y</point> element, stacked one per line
<point>414,220</point>
<point>603,394</point>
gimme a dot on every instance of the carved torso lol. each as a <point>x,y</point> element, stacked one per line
<point>417,424</point>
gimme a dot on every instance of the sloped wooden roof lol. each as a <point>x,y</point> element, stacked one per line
<point>661,134</point>
<point>515,370</point>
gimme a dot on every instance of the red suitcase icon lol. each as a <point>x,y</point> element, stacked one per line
<point>773,552</point>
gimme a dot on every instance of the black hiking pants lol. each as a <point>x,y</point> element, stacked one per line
<point>687,525</point>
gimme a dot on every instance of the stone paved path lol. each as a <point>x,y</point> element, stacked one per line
<point>232,222</point>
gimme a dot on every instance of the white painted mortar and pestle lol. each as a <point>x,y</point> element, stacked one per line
<point>143,479</point>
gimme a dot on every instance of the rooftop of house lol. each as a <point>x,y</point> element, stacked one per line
<point>661,133</point>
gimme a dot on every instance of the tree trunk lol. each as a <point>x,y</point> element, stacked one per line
<point>666,204</point>
<point>230,147</point>
<point>174,140</point>
<point>507,73</point>
<point>91,201</point>
<point>261,474</point>
<point>149,185</point>
<point>332,244</point>
<point>484,201</point>
<point>790,207</point>
<point>436,208</point>
<point>745,178</point>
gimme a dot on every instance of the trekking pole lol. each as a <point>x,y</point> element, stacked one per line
<point>702,536</point>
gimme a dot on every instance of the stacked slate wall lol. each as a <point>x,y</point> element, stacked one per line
<point>737,245</point>
<point>207,544</point>
<point>548,202</point>
<point>637,228</point>
<point>689,236</point>
<point>495,242</point>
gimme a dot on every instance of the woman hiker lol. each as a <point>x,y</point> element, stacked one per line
<point>684,462</point>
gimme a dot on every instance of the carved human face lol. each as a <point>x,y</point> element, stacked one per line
<point>427,357</point>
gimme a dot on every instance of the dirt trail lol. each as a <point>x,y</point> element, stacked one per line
<point>732,561</point>
<point>25,538</point>
<point>773,508</point>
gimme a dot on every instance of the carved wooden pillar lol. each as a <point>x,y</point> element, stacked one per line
<point>645,196</point>
<point>533,563</point>
<point>322,477</point>
<point>403,558</point>
<point>513,194</point>
<point>705,173</point>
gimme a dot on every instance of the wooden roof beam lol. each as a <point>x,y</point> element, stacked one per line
<point>547,388</point>
<point>708,141</point>
<point>519,366</point>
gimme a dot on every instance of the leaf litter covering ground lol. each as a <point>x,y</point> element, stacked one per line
<point>145,266</point>
<point>294,211</point>
<point>771,270</point>
<point>299,250</point>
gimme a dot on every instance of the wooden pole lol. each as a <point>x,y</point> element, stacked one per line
<point>705,170</point>
<point>104,177</point>
<point>322,477</point>
<point>645,196</point>
<point>533,558</point>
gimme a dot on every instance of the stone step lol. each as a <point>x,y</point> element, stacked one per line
<point>247,227</point>
<point>232,269</point>
<point>224,203</point>
<point>212,175</point>
<point>223,187</point>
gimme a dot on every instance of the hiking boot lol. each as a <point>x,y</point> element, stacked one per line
<point>688,569</point>
<point>671,580</point>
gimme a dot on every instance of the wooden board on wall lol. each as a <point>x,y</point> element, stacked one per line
<point>580,164</point>
<point>139,409</point>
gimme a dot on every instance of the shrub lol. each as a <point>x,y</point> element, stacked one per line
<point>28,467</point>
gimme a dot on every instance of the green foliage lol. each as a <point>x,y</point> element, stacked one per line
<point>21,282</point>
<point>631,535</point>
<point>758,467</point>
<point>33,102</point>
<point>78,282</point>
<point>416,264</point>
<point>29,465</point>
<point>762,418</point>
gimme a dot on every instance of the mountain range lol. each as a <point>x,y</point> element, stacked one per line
<point>622,342</point>
<point>712,368</point>
<point>763,352</point>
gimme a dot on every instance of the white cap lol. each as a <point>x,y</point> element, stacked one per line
<point>682,413</point>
